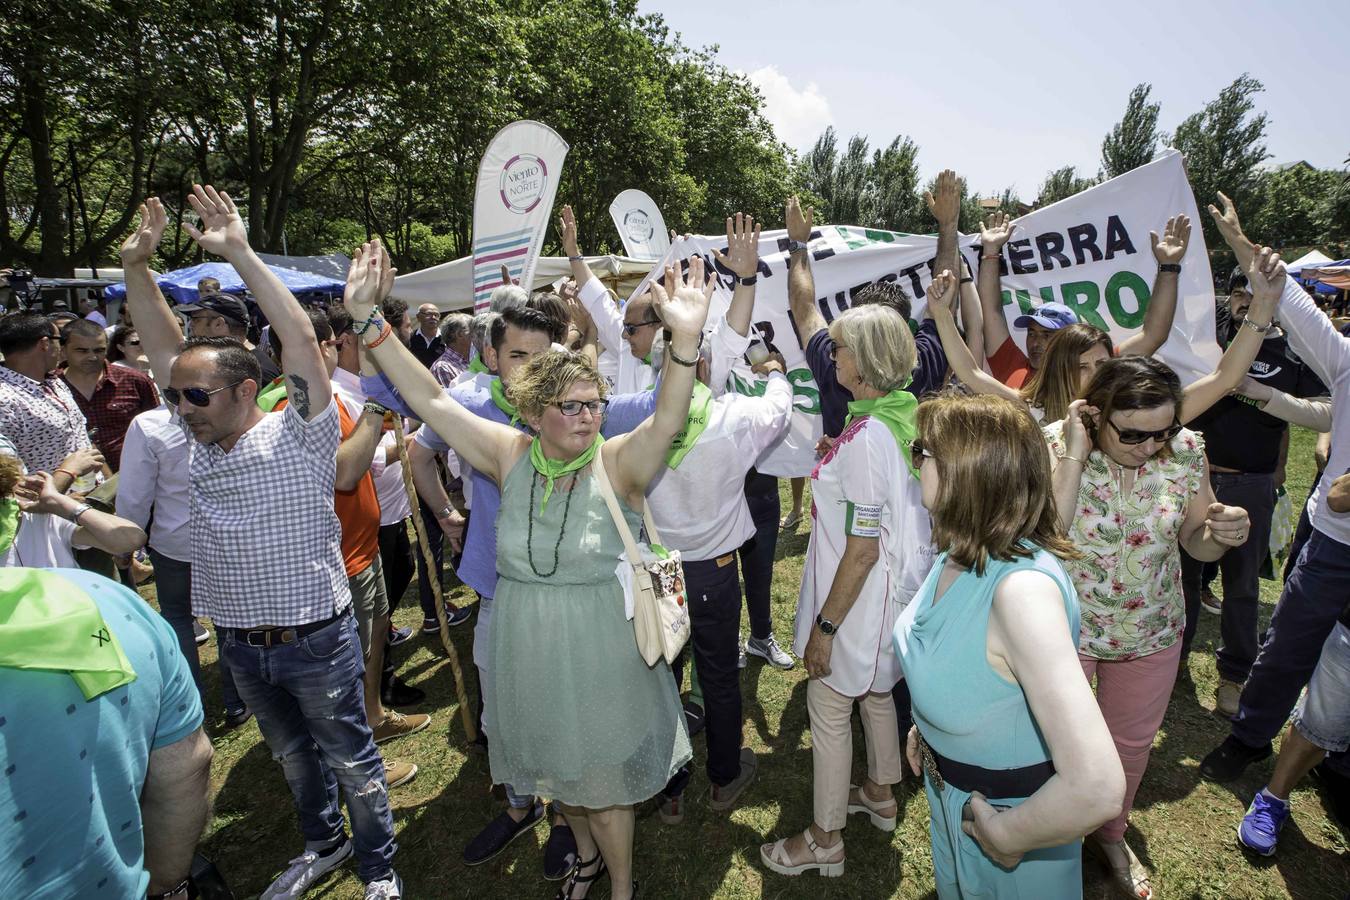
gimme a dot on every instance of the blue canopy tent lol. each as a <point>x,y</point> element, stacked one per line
<point>1333,270</point>
<point>181,284</point>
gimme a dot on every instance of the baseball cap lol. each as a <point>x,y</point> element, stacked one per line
<point>232,308</point>
<point>1048,315</point>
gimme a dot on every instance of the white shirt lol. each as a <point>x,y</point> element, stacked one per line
<point>699,508</point>
<point>43,542</point>
<point>394,506</point>
<point>266,544</point>
<point>633,374</point>
<point>1327,351</point>
<point>154,478</point>
<point>863,487</point>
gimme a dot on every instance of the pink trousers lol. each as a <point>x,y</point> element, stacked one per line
<point>1133,696</point>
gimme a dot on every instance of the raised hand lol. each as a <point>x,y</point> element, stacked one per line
<point>1226,220</point>
<point>945,204</point>
<point>569,232</point>
<point>742,256</point>
<point>942,292</point>
<point>799,221</point>
<point>995,231</point>
<point>140,245</point>
<point>222,229</point>
<point>1171,247</point>
<point>682,304</point>
<point>365,280</point>
<point>1228,525</point>
<point>1266,276</point>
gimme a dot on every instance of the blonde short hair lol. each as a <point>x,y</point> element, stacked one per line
<point>881,344</point>
<point>547,378</point>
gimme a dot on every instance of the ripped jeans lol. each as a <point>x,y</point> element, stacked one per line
<point>310,707</point>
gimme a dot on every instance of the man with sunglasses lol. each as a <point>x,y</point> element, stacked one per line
<point>267,565</point>
<point>1246,449</point>
<point>517,335</point>
<point>37,411</point>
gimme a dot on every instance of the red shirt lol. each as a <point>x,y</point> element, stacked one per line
<point>1009,365</point>
<point>120,396</point>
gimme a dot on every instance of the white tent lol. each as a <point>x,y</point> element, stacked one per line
<point>450,285</point>
<point>1309,261</point>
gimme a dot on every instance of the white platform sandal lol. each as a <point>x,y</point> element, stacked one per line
<point>859,802</point>
<point>775,857</point>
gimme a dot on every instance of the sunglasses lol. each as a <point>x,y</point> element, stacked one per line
<point>1135,436</point>
<point>195,395</point>
<point>135,343</point>
<point>631,330</point>
<point>574,407</point>
<point>918,453</point>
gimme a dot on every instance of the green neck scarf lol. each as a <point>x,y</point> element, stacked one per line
<point>896,410</point>
<point>9,522</point>
<point>700,408</point>
<point>553,469</point>
<point>270,396</point>
<point>49,624</point>
<point>503,403</point>
<point>476,366</point>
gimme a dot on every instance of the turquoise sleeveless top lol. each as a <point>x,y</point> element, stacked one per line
<point>966,710</point>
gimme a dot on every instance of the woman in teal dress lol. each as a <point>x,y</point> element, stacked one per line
<point>575,713</point>
<point>1017,760</point>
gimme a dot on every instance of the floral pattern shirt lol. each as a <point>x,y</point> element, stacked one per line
<point>1129,578</point>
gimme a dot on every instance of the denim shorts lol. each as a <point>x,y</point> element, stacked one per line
<point>1323,715</point>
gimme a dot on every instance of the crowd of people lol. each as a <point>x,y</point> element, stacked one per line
<point>1010,550</point>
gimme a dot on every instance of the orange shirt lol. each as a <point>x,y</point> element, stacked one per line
<point>358,510</point>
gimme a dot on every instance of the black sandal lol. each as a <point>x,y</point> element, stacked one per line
<point>576,878</point>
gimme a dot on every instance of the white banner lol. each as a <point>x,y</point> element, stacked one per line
<point>641,226</point>
<point>1090,251</point>
<point>517,181</point>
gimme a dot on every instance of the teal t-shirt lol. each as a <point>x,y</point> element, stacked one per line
<point>71,770</point>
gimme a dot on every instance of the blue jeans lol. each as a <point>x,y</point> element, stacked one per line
<point>173,588</point>
<point>1312,600</point>
<point>310,706</point>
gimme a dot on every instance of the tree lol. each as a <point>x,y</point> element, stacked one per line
<point>870,188</point>
<point>1295,206</point>
<point>1133,140</point>
<point>893,201</point>
<point>1223,145</point>
<point>1062,183</point>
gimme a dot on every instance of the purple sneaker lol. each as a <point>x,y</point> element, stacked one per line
<point>1260,828</point>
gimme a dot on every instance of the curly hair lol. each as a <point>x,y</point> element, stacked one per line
<point>547,378</point>
<point>11,470</point>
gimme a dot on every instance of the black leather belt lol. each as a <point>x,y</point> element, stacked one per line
<point>269,637</point>
<point>994,784</point>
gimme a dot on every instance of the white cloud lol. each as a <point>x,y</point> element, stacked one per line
<point>798,116</point>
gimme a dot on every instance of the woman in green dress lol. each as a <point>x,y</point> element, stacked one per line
<point>576,715</point>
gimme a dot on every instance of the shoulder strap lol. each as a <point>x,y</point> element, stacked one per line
<point>620,523</point>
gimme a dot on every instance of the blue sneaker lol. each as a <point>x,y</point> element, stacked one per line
<point>1260,828</point>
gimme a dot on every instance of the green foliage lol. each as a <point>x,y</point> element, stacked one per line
<point>871,188</point>
<point>1062,183</point>
<point>1294,207</point>
<point>1134,139</point>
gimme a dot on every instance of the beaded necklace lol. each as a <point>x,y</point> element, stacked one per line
<point>562,530</point>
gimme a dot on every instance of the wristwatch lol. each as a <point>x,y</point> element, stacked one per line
<point>794,246</point>
<point>1174,268</point>
<point>1259,329</point>
<point>826,627</point>
<point>749,280</point>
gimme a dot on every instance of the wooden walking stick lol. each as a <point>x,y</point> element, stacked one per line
<point>434,576</point>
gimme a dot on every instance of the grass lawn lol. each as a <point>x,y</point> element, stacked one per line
<point>1182,827</point>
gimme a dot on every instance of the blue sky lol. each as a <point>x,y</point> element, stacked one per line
<point>1005,92</point>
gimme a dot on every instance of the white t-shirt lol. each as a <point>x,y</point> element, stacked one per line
<point>43,542</point>
<point>699,508</point>
<point>863,487</point>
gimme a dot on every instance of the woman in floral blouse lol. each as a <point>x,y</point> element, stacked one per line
<point>1131,488</point>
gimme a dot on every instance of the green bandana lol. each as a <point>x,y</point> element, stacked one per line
<point>9,522</point>
<point>270,396</point>
<point>896,410</point>
<point>553,469</point>
<point>48,623</point>
<point>476,366</point>
<point>505,405</point>
<point>700,408</point>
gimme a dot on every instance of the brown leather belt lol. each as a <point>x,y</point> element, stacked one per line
<point>268,637</point>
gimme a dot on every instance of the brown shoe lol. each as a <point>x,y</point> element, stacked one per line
<point>398,772</point>
<point>1227,696</point>
<point>397,725</point>
<point>724,797</point>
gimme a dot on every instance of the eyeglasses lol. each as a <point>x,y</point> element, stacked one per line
<point>135,343</point>
<point>574,407</point>
<point>1135,436</point>
<point>631,330</point>
<point>834,351</point>
<point>195,395</point>
<point>918,453</point>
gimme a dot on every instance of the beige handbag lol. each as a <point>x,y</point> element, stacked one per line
<point>660,610</point>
